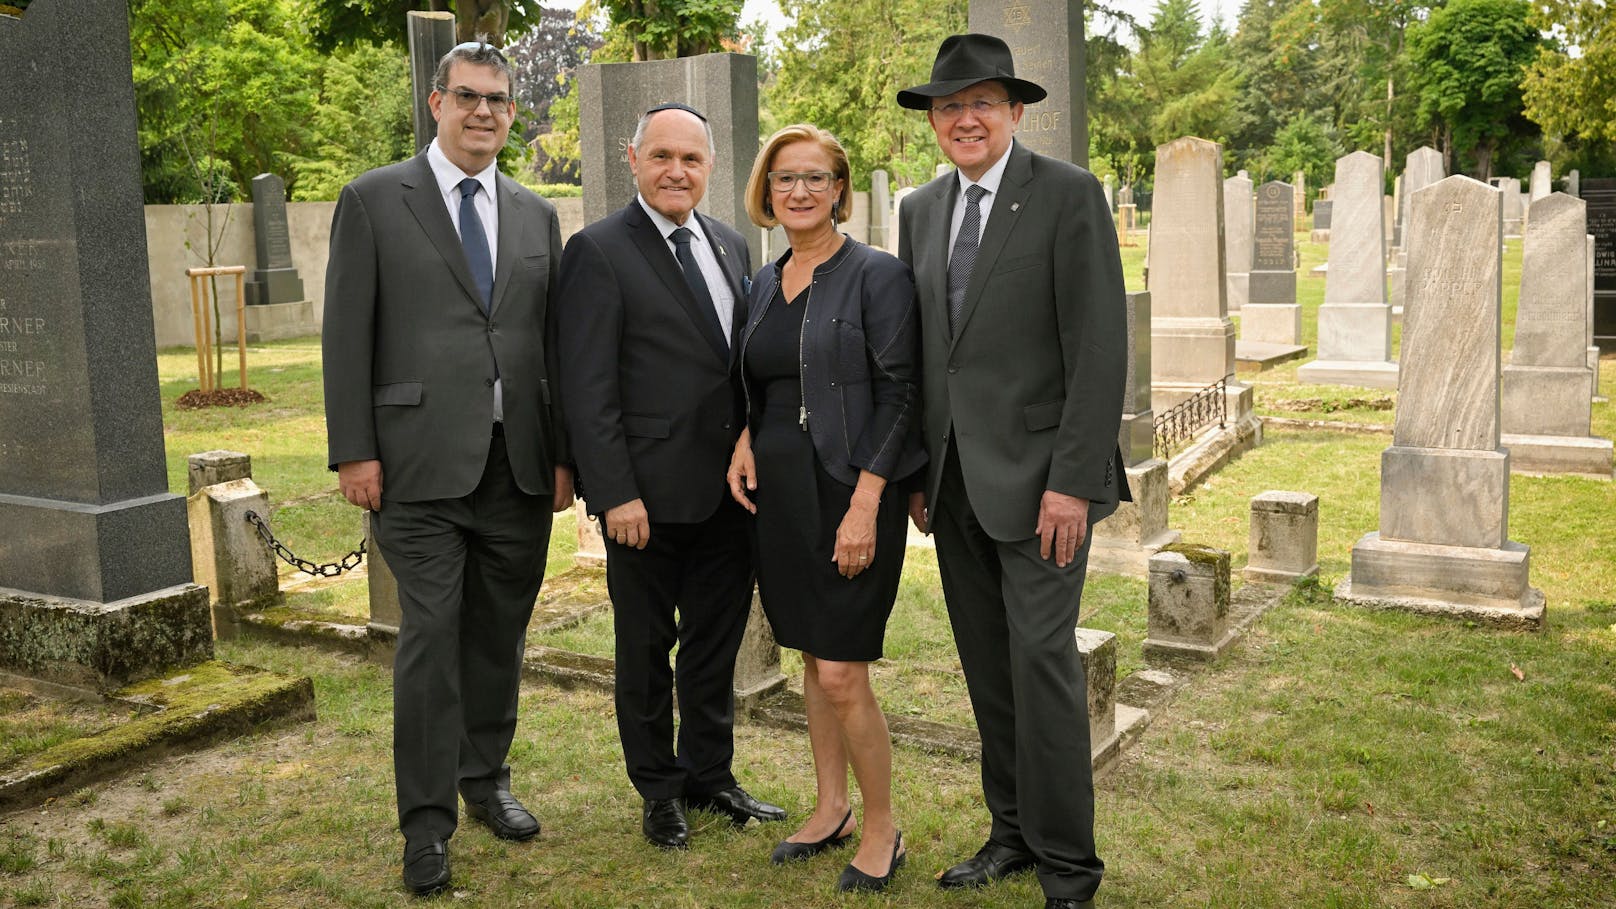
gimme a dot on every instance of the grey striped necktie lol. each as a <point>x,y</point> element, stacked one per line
<point>964,257</point>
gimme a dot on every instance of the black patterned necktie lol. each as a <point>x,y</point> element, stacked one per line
<point>475,241</point>
<point>964,257</point>
<point>681,238</point>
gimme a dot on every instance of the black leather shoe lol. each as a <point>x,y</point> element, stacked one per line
<point>735,804</point>
<point>664,824</point>
<point>787,851</point>
<point>426,866</point>
<point>1063,903</point>
<point>504,815</point>
<point>853,879</point>
<point>990,863</point>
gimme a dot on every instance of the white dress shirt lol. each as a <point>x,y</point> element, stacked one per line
<point>449,175</point>
<point>990,182</point>
<point>706,257</point>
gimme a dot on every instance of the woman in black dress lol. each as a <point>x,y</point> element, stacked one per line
<point>828,363</point>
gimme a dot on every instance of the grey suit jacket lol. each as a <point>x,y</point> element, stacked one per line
<point>1029,392</point>
<point>411,356</point>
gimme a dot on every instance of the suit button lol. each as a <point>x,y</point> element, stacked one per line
<point>489,382</point>
<point>953,369</point>
<point>726,425</point>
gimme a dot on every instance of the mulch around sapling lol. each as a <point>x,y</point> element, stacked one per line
<point>219,397</point>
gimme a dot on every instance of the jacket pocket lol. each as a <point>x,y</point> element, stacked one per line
<point>396,394</point>
<point>1016,263</point>
<point>1044,416</point>
<point>851,362</point>
<point>539,260</point>
<point>645,427</point>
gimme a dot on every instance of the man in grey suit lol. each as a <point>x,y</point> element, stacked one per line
<point>1024,351</point>
<point>442,423</point>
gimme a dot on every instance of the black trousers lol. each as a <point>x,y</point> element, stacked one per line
<point>468,571</point>
<point>702,572</point>
<point>1014,616</point>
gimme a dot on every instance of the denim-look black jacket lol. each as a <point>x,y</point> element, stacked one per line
<point>858,361</point>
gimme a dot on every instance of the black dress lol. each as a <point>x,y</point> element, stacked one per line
<point>811,607</point>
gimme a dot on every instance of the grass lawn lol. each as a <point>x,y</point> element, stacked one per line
<point>1336,758</point>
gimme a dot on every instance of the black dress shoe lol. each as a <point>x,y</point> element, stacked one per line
<point>990,863</point>
<point>504,815</point>
<point>853,879</point>
<point>664,824</point>
<point>737,805</point>
<point>787,851</point>
<point>1055,902</point>
<point>426,866</point>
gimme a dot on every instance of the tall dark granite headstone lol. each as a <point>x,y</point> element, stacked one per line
<point>275,280</point>
<point>612,96</point>
<point>93,544</point>
<point>1600,194</point>
<point>1046,40</point>
<point>1273,265</point>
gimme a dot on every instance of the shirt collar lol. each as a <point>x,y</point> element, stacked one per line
<point>990,180</point>
<point>665,225</point>
<point>448,174</point>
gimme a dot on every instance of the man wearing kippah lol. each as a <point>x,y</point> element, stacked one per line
<point>650,302</point>
<point>1024,350</point>
<point>439,366</point>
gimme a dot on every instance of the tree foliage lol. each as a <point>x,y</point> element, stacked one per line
<point>842,63</point>
<point>362,120</point>
<point>664,29</point>
<point>335,23</point>
<point>1469,59</point>
<point>1574,97</point>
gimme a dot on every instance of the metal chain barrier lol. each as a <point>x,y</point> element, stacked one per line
<point>328,570</point>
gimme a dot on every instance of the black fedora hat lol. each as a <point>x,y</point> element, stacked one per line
<point>965,60</point>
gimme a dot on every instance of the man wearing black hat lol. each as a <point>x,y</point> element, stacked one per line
<point>1024,346</point>
<point>650,302</point>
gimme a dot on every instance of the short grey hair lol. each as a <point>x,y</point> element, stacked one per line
<point>639,131</point>
<point>478,52</point>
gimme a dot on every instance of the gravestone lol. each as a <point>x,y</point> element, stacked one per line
<point>613,96</point>
<point>1600,194</point>
<point>1046,42</point>
<point>1299,183</point>
<point>276,305</point>
<point>897,206</point>
<point>431,35</point>
<point>1187,612</point>
<point>96,552</point>
<point>1273,318</point>
<point>1110,184</point>
<point>1321,220</point>
<point>1355,323</point>
<point>1573,182</point>
<point>1443,546</point>
<point>1425,165</point>
<point>1191,337</point>
<point>1124,542</point>
<point>1237,239</point>
<point>880,210</point>
<point>1593,349</point>
<point>1511,188</point>
<point>1395,234</point>
<point>1547,407</point>
<point>1542,182</point>
<point>1284,541</point>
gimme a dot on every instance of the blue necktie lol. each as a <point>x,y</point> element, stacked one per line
<point>475,241</point>
<point>963,261</point>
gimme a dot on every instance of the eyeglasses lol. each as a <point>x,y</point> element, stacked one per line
<point>953,110</point>
<point>498,103</point>
<point>783,181</point>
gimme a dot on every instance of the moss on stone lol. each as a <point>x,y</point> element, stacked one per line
<point>283,616</point>
<point>1198,553</point>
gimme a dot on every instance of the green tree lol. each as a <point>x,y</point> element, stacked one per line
<point>1469,59</point>
<point>334,23</point>
<point>362,120</point>
<point>842,63</point>
<point>1573,98</point>
<point>664,29</point>
<point>238,71</point>
<point>1185,81</point>
<point>1305,143</point>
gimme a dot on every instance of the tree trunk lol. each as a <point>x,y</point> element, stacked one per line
<point>481,20</point>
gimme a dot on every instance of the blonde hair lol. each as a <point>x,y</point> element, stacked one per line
<point>757,186</point>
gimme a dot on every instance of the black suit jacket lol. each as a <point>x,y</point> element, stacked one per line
<point>1029,390</point>
<point>648,386</point>
<point>410,355</point>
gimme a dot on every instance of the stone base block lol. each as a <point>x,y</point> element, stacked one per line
<point>1178,653</point>
<point>1585,456</point>
<point>1189,352</point>
<point>1484,585</point>
<point>1137,438</point>
<point>1271,323</point>
<point>1345,372</point>
<point>1256,356</point>
<point>1357,332</point>
<point>227,555</point>
<point>1273,288</point>
<point>1098,652</point>
<point>278,321</point>
<point>1115,556</point>
<point>1125,541</point>
<point>100,553</point>
<point>1445,496</point>
<point>1546,401</point>
<point>104,646</point>
<point>1238,286</point>
<point>757,664</point>
<point>1284,541</point>
<point>1319,236</point>
<point>1189,604</point>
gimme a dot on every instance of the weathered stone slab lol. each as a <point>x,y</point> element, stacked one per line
<point>1136,434</point>
<point>1098,652</point>
<point>1189,605</point>
<point>1489,586</point>
<point>1046,40</point>
<point>1239,228</point>
<point>1125,541</point>
<point>1511,188</point>
<point>1448,390</point>
<point>104,646</point>
<point>1541,183</point>
<point>1284,539</point>
<point>1355,323</point>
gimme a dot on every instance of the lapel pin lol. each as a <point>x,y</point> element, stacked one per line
<point>1015,206</point>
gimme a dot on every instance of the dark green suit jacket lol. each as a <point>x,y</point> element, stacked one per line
<point>1028,395</point>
